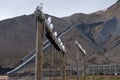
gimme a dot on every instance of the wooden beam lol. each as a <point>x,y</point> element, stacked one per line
<point>63,67</point>
<point>39,50</point>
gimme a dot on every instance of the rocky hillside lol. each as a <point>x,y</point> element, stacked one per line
<point>101,29</point>
<point>18,36</point>
<point>98,32</point>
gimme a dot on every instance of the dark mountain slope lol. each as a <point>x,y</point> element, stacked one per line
<point>98,33</point>
<point>18,36</point>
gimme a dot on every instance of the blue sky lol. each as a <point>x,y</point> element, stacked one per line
<point>59,8</point>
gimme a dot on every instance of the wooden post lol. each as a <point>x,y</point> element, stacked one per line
<point>39,50</point>
<point>84,62</point>
<point>63,67</point>
<point>78,73</point>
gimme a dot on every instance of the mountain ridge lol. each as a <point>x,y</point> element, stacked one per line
<point>98,33</point>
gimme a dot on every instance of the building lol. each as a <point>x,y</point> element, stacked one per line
<point>4,77</point>
<point>111,69</point>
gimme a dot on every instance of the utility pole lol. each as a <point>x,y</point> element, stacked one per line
<point>78,45</point>
<point>84,63</point>
<point>39,51</point>
<point>78,72</point>
<point>63,67</point>
<point>45,26</point>
<point>39,44</point>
